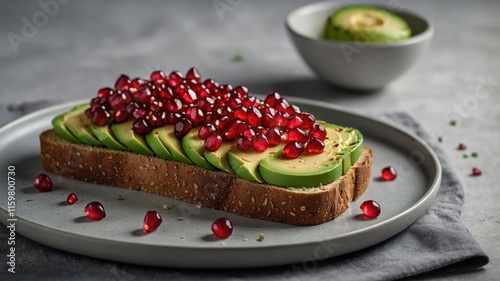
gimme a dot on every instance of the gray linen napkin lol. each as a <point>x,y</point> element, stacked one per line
<point>437,241</point>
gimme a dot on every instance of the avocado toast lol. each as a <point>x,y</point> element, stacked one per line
<point>211,145</point>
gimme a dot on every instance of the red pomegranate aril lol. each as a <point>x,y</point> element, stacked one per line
<point>370,208</point>
<point>195,115</point>
<point>158,118</point>
<point>174,105</point>
<point>140,113</point>
<point>157,75</point>
<point>272,99</point>
<point>71,199</point>
<point>307,121</point>
<point>254,117</point>
<point>173,117</point>
<point>120,116</point>
<point>248,132</point>
<point>294,121</point>
<point>97,102</point>
<point>43,183</point>
<point>233,130</point>
<point>292,150</point>
<point>242,91</point>
<point>476,172</point>
<point>142,126</point>
<point>136,83</point>
<point>155,105</point>
<point>281,107</point>
<point>318,131</point>
<point>166,94</point>
<point>143,95</point>
<point>213,142</point>
<point>206,130</point>
<point>461,146</point>
<point>123,82</point>
<point>224,89</point>
<point>193,74</point>
<point>104,93</point>
<point>298,134</point>
<point>240,113</point>
<point>206,104</point>
<point>221,123</point>
<point>189,96</point>
<point>95,210</point>
<point>244,143</point>
<point>234,102</point>
<point>389,173</point>
<point>152,221</point>
<point>260,142</point>
<point>175,78</point>
<point>315,146</point>
<point>101,117</point>
<point>280,121</point>
<point>273,136</point>
<point>182,127</point>
<point>222,228</point>
<point>89,113</point>
<point>211,84</point>
<point>119,99</point>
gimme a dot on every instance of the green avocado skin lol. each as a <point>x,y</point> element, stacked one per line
<point>337,29</point>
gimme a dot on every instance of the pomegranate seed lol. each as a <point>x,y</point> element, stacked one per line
<point>158,118</point>
<point>224,90</point>
<point>143,95</point>
<point>280,121</point>
<point>140,113</point>
<point>182,127</point>
<point>206,104</point>
<point>96,103</point>
<point>318,131</point>
<point>292,109</point>
<point>222,228</point>
<point>254,117</point>
<point>213,142</point>
<point>101,117</point>
<point>233,130</point>
<point>281,107</point>
<point>89,113</point>
<point>241,113</point>
<point>242,91</point>
<point>119,99</point>
<point>173,117</point>
<point>315,146</point>
<point>260,142</point>
<point>274,136</point>
<point>248,132</point>
<point>294,122</point>
<point>142,126</point>
<point>307,121</point>
<point>120,116</point>
<point>370,208</point>
<point>43,183</point>
<point>157,75</point>
<point>174,105</point>
<point>193,75</point>
<point>272,99</point>
<point>152,221</point>
<point>195,115</point>
<point>206,130</point>
<point>211,85</point>
<point>388,173</point>
<point>234,102</point>
<point>292,150</point>
<point>104,93</point>
<point>267,120</point>
<point>155,105</point>
<point>476,172</point>
<point>221,123</point>
<point>461,146</point>
<point>298,134</point>
<point>123,82</point>
<point>71,199</point>
<point>95,210</point>
<point>175,78</point>
<point>136,83</point>
<point>244,143</point>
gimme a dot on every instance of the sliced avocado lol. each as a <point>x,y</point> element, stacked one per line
<point>106,136</point>
<point>193,147</point>
<point>60,128</point>
<point>126,135</point>
<point>153,140</point>
<point>366,24</point>
<point>172,143</point>
<point>219,158</point>
<point>246,164</point>
<point>79,125</point>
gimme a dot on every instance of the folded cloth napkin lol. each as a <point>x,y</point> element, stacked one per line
<point>437,241</point>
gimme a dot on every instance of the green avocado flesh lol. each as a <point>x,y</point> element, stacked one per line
<point>343,148</point>
<point>366,24</point>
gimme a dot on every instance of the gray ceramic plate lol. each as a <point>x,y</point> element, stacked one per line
<point>46,218</point>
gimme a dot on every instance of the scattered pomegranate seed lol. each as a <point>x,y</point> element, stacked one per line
<point>193,75</point>
<point>102,117</point>
<point>298,134</point>
<point>254,117</point>
<point>206,130</point>
<point>43,183</point>
<point>476,172</point>
<point>307,121</point>
<point>157,75</point>
<point>274,136</point>
<point>142,126</point>
<point>195,115</point>
<point>95,210</point>
<point>294,122</point>
<point>122,83</point>
<point>152,221</point>
<point>260,142</point>
<point>213,142</point>
<point>182,127</point>
<point>388,173</point>
<point>71,199</point>
<point>370,208</point>
<point>244,143</point>
<point>119,99</point>
<point>222,228</point>
<point>461,146</point>
<point>104,93</point>
<point>272,99</point>
<point>292,150</point>
<point>315,146</point>
<point>318,131</point>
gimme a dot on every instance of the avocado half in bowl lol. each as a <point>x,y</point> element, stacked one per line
<point>335,50</point>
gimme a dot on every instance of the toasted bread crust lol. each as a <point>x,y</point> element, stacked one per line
<point>214,189</point>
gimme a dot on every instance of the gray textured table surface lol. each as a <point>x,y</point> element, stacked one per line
<point>82,46</point>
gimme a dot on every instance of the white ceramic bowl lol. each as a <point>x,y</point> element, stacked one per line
<point>355,65</point>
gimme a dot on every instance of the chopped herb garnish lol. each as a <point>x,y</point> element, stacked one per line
<point>120,197</point>
<point>261,237</point>
<point>474,154</point>
<point>29,200</point>
<point>466,156</point>
<point>453,123</point>
<point>237,58</point>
